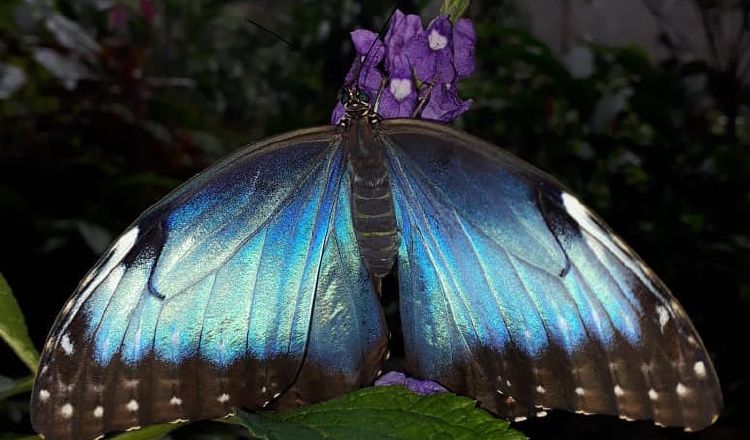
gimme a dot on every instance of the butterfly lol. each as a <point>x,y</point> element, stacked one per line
<point>255,285</point>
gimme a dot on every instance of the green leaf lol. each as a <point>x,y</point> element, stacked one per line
<point>13,327</point>
<point>153,432</point>
<point>10,387</point>
<point>382,412</point>
<point>454,8</point>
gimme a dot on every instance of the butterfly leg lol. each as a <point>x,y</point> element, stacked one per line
<point>422,101</point>
<point>380,93</point>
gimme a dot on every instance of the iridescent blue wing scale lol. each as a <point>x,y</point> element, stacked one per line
<point>242,288</point>
<point>514,293</point>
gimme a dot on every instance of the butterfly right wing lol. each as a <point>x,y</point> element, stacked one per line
<point>242,288</point>
<point>514,293</point>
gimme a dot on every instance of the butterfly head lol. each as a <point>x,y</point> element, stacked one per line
<point>357,104</point>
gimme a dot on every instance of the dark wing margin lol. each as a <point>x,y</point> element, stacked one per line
<point>514,293</point>
<point>242,288</point>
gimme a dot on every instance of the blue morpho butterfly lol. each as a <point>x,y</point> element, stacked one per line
<point>255,285</point>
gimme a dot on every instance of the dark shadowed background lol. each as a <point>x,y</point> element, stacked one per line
<point>642,108</point>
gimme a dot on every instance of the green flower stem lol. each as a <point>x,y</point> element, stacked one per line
<point>454,8</point>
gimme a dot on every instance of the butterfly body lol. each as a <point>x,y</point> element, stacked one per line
<point>252,285</point>
<point>371,198</point>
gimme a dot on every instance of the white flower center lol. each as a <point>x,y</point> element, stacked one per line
<point>436,40</point>
<point>400,88</point>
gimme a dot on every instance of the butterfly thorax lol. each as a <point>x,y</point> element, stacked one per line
<point>371,199</point>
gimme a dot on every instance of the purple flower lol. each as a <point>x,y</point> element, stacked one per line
<point>421,387</point>
<point>337,113</point>
<point>464,44</point>
<point>402,30</point>
<point>370,52</point>
<point>400,96</point>
<point>364,71</point>
<point>437,57</point>
<point>444,104</point>
<point>430,52</point>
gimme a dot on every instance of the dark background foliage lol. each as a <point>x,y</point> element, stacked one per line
<point>119,102</point>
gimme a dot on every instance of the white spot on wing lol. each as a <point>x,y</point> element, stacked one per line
<point>276,395</point>
<point>66,344</point>
<point>653,395</point>
<point>43,395</point>
<point>540,389</point>
<point>98,412</point>
<point>663,314</point>
<point>580,391</point>
<point>66,411</point>
<point>700,369</point>
<point>223,398</point>
<point>619,392</point>
<point>175,401</point>
<point>520,419</point>
<point>541,414</point>
<point>132,406</point>
<point>682,390</point>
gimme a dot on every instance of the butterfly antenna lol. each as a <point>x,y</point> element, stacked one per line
<point>272,33</point>
<point>382,31</point>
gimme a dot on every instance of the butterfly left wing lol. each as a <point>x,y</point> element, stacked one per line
<point>242,288</point>
<point>514,293</point>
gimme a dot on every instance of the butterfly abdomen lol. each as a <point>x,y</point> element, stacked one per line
<point>372,202</point>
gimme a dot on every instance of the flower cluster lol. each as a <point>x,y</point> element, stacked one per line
<point>421,67</point>
<point>421,387</point>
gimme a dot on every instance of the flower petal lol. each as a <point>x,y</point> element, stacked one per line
<point>424,387</point>
<point>369,46</point>
<point>337,113</point>
<point>444,104</point>
<point>421,387</point>
<point>464,45</point>
<point>391,378</point>
<point>439,33</point>
<point>402,30</point>
<point>394,104</point>
<point>430,52</point>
